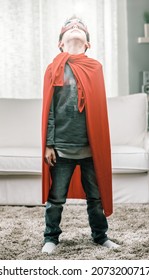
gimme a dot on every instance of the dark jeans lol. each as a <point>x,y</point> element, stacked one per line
<point>61,175</point>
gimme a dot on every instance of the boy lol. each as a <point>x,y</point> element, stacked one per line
<point>75,132</point>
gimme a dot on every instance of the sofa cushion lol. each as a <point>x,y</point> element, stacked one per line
<point>20,122</point>
<point>129,159</point>
<point>125,159</point>
<point>128,119</point>
<point>20,161</point>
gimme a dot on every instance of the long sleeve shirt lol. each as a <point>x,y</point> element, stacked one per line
<point>67,131</point>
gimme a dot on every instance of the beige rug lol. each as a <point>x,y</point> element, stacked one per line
<point>21,234</point>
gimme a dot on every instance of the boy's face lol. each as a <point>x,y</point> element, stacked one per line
<point>74,29</point>
<point>73,22</point>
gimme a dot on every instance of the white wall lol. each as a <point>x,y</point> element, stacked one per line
<point>138,53</point>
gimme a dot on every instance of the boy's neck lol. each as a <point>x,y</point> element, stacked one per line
<point>74,47</point>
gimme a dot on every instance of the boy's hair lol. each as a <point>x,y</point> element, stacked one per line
<point>79,20</point>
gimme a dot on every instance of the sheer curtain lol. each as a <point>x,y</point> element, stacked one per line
<point>29,31</point>
<point>19,49</point>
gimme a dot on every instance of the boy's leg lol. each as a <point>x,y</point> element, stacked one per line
<point>61,175</point>
<point>97,219</point>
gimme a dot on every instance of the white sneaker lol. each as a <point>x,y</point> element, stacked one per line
<point>110,244</point>
<point>48,248</point>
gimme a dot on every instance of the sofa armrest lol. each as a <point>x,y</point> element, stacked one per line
<point>146,146</point>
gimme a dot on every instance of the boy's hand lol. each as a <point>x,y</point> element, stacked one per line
<point>50,156</point>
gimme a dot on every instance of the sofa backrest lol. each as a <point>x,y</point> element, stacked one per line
<point>20,122</point>
<point>128,118</point>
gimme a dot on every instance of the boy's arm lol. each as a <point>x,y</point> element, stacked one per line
<point>50,156</point>
<point>51,127</point>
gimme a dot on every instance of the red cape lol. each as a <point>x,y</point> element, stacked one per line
<point>90,82</point>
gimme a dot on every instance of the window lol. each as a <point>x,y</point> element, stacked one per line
<point>29,31</point>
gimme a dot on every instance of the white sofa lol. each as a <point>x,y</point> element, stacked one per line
<point>20,150</point>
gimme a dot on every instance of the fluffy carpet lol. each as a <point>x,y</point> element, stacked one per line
<point>21,234</point>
